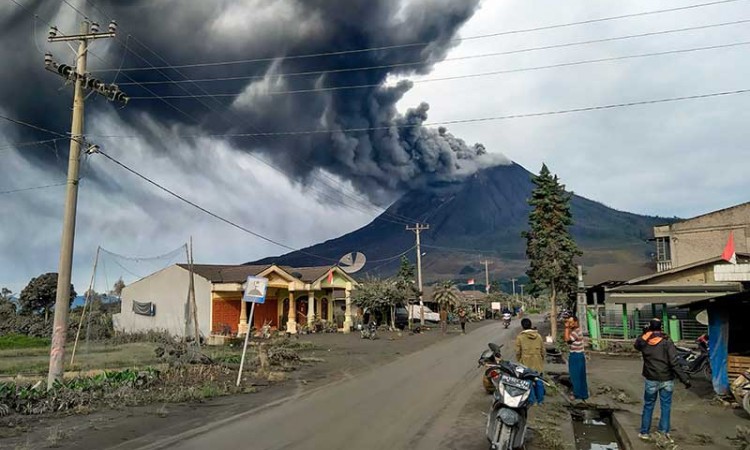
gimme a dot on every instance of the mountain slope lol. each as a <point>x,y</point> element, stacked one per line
<point>483,214</point>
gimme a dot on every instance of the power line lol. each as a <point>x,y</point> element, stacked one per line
<point>31,125</point>
<point>461,77</point>
<point>13,191</point>
<point>399,221</point>
<point>29,143</point>
<point>460,121</point>
<point>210,213</point>
<point>426,61</point>
<point>426,43</point>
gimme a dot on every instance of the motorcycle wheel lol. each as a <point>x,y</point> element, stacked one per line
<point>488,386</point>
<point>707,371</point>
<point>746,402</point>
<point>505,440</point>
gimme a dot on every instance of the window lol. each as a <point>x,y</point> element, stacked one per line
<point>663,252</point>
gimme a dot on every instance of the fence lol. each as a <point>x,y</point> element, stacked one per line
<point>611,323</point>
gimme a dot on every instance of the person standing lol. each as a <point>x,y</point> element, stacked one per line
<point>576,359</point>
<point>530,353</point>
<point>462,319</point>
<point>659,370</point>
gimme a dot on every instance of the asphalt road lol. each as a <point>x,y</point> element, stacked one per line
<point>415,402</point>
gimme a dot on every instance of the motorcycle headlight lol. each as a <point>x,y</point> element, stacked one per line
<point>508,416</point>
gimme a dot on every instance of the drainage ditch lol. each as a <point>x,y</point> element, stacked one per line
<point>593,430</point>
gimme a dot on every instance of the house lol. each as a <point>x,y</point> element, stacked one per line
<point>689,241</point>
<point>689,268</point>
<point>295,297</point>
<point>729,335</point>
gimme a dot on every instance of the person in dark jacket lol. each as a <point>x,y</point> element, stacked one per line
<point>660,368</point>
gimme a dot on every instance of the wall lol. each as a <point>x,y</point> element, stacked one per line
<point>167,289</point>
<point>705,236</point>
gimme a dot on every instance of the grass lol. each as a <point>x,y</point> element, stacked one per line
<point>19,341</point>
<point>35,361</point>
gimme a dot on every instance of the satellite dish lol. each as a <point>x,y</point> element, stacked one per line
<point>702,317</point>
<point>352,262</point>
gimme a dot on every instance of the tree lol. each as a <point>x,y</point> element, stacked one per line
<point>550,247</point>
<point>39,295</point>
<point>446,296</point>
<point>118,287</point>
<point>405,281</point>
<point>377,296</point>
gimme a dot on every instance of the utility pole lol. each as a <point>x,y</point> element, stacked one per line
<point>88,32</point>
<point>418,228</point>
<point>513,280</point>
<point>486,262</point>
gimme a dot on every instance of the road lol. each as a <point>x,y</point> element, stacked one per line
<point>415,402</point>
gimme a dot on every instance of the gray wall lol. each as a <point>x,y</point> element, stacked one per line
<point>167,289</point>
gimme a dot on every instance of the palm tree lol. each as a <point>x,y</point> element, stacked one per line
<point>446,296</point>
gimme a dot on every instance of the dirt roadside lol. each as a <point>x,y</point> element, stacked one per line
<point>335,357</point>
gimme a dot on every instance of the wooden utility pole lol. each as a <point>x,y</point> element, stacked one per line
<point>486,262</point>
<point>85,304</point>
<point>88,32</point>
<point>417,229</point>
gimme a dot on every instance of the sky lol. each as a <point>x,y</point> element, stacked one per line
<point>671,159</point>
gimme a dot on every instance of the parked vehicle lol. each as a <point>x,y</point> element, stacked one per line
<point>506,319</point>
<point>489,359</point>
<point>695,361</point>
<point>402,318</point>
<point>506,421</point>
<point>429,315</point>
<point>369,331</point>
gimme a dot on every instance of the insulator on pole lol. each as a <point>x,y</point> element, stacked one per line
<point>47,59</point>
<point>65,70</point>
<point>94,27</point>
<point>52,32</point>
<point>112,26</point>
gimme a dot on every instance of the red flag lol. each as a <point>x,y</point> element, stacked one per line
<point>729,254</point>
<point>330,277</point>
<point>471,281</point>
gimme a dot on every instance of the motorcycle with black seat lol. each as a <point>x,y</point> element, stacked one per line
<point>506,421</point>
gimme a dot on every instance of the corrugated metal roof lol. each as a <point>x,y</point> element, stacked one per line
<point>221,273</point>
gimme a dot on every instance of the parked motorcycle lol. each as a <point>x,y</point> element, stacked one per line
<point>369,331</point>
<point>695,362</point>
<point>506,421</point>
<point>489,359</point>
<point>506,320</point>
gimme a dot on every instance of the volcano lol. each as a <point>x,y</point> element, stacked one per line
<point>482,216</point>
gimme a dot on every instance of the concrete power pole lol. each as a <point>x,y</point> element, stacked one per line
<point>418,228</point>
<point>83,82</point>
<point>486,262</point>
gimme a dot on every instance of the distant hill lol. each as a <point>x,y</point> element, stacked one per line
<point>484,215</point>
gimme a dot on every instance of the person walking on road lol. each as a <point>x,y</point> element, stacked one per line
<point>659,370</point>
<point>576,359</point>
<point>462,319</point>
<point>530,353</point>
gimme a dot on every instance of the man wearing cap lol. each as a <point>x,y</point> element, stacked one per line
<point>660,368</point>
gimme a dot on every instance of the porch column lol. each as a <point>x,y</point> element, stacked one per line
<point>242,327</point>
<point>311,311</point>
<point>291,324</point>
<point>331,300</point>
<point>348,314</point>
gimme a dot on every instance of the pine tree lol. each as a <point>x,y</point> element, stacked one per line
<point>550,247</point>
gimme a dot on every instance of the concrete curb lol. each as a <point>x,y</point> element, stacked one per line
<point>626,424</point>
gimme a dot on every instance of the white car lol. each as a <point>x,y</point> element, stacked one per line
<point>429,315</point>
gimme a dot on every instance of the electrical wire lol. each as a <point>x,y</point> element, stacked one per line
<point>31,125</point>
<point>169,255</point>
<point>210,213</point>
<point>461,121</point>
<point>428,61</point>
<point>460,77</point>
<point>13,191</point>
<point>426,43</point>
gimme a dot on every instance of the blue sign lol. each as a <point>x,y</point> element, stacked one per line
<point>255,290</point>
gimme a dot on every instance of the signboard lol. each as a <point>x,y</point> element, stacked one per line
<point>496,306</point>
<point>255,289</point>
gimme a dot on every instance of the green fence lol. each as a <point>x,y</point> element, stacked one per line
<point>615,325</point>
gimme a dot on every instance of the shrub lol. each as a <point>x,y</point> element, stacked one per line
<point>15,341</point>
